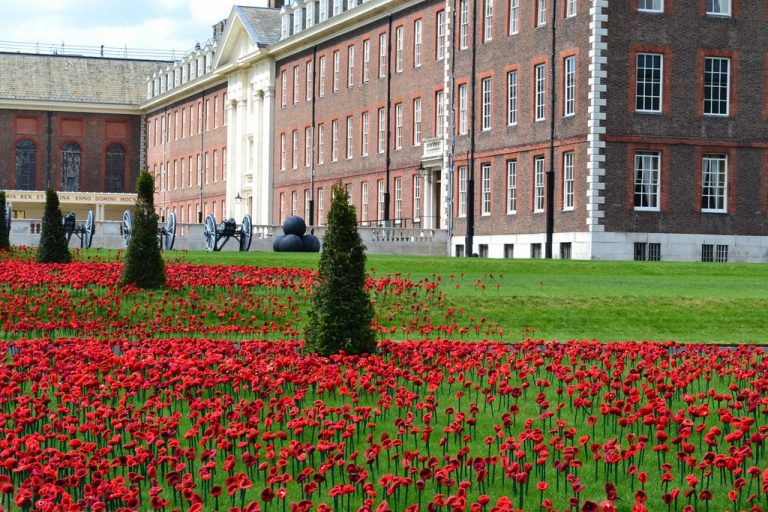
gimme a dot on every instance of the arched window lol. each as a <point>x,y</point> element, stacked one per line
<point>26,165</point>
<point>70,167</point>
<point>115,167</point>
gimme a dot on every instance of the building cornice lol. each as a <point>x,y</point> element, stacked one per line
<point>344,23</point>
<point>65,106</point>
<point>182,92</point>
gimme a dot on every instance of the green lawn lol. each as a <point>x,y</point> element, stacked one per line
<point>564,300</point>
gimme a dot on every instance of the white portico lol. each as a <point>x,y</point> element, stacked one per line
<point>249,69</point>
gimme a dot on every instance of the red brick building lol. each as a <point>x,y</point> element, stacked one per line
<point>535,128</point>
<point>71,123</point>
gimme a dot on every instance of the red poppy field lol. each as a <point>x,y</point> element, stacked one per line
<point>199,398</point>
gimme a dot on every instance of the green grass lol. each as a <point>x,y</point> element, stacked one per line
<point>564,300</point>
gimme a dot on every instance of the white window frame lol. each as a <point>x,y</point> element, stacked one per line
<point>416,198</point>
<point>380,200</point>
<point>399,126</point>
<point>350,66</point>
<point>540,92</point>
<point>488,21</point>
<point>485,196</point>
<point>399,35</point>
<point>307,146</point>
<point>514,17</point>
<point>464,25</point>
<point>364,202</point>
<point>295,85</point>
<point>364,134</point>
<point>283,151</point>
<point>647,181</point>
<point>306,204</point>
<point>541,13</point>
<point>512,98</point>
<point>366,60</point>
<point>398,185</point>
<point>462,191</point>
<point>439,113</point>
<point>381,141</point>
<point>714,183</point>
<point>511,187</point>
<point>568,182</point>
<point>538,184</point>
<point>485,94</point>
<point>336,69</point>
<point>417,122</point>
<point>350,135</point>
<point>334,140</point>
<point>719,8</point>
<point>463,125</point>
<point>569,86</point>
<point>710,87</point>
<point>649,78</point>
<point>308,69</point>
<point>321,87</point>
<point>295,149</point>
<point>440,36</point>
<point>382,55</point>
<point>417,42</point>
<point>650,5</point>
<point>570,8</point>
<point>320,194</point>
<point>320,142</point>
<point>283,92</point>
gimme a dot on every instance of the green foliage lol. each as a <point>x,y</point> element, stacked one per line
<point>53,247</point>
<point>5,242</point>
<point>341,313</point>
<point>144,266</point>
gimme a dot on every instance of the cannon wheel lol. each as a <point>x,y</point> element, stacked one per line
<point>170,232</point>
<point>209,230</point>
<point>246,234</point>
<point>90,227</point>
<point>126,227</point>
<point>8,213</point>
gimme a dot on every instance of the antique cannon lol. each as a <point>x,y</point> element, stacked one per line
<point>82,231</point>
<point>167,233</point>
<point>216,236</point>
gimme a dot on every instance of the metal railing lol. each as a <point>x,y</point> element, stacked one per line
<point>111,52</point>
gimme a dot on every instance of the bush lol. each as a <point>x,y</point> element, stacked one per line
<point>5,241</point>
<point>341,313</point>
<point>144,266</point>
<point>54,247</point>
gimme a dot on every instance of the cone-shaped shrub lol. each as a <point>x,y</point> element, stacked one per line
<point>144,266</point>
<point>341,313</point>
<point>5,241</point>
<point>53,247</point>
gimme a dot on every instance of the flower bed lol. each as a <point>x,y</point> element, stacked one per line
<point>198,398</point>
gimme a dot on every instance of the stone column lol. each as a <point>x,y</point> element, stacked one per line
<point>233,149</point>
<point>263,200</point>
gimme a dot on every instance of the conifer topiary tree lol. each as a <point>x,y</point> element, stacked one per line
<point>341,313</point>
<point>5,241</point>
<point>144,266</point>
<point>54,247</point>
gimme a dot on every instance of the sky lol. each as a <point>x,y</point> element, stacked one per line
<point>135,24</point>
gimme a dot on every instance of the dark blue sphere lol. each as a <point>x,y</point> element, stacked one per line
<point>291,243</point>
<point>276,243</point>
<point>311,243</point>
<point>294,225</point>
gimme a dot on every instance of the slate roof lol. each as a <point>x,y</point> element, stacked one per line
<point>74,79</point>
<point>262,23</point>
